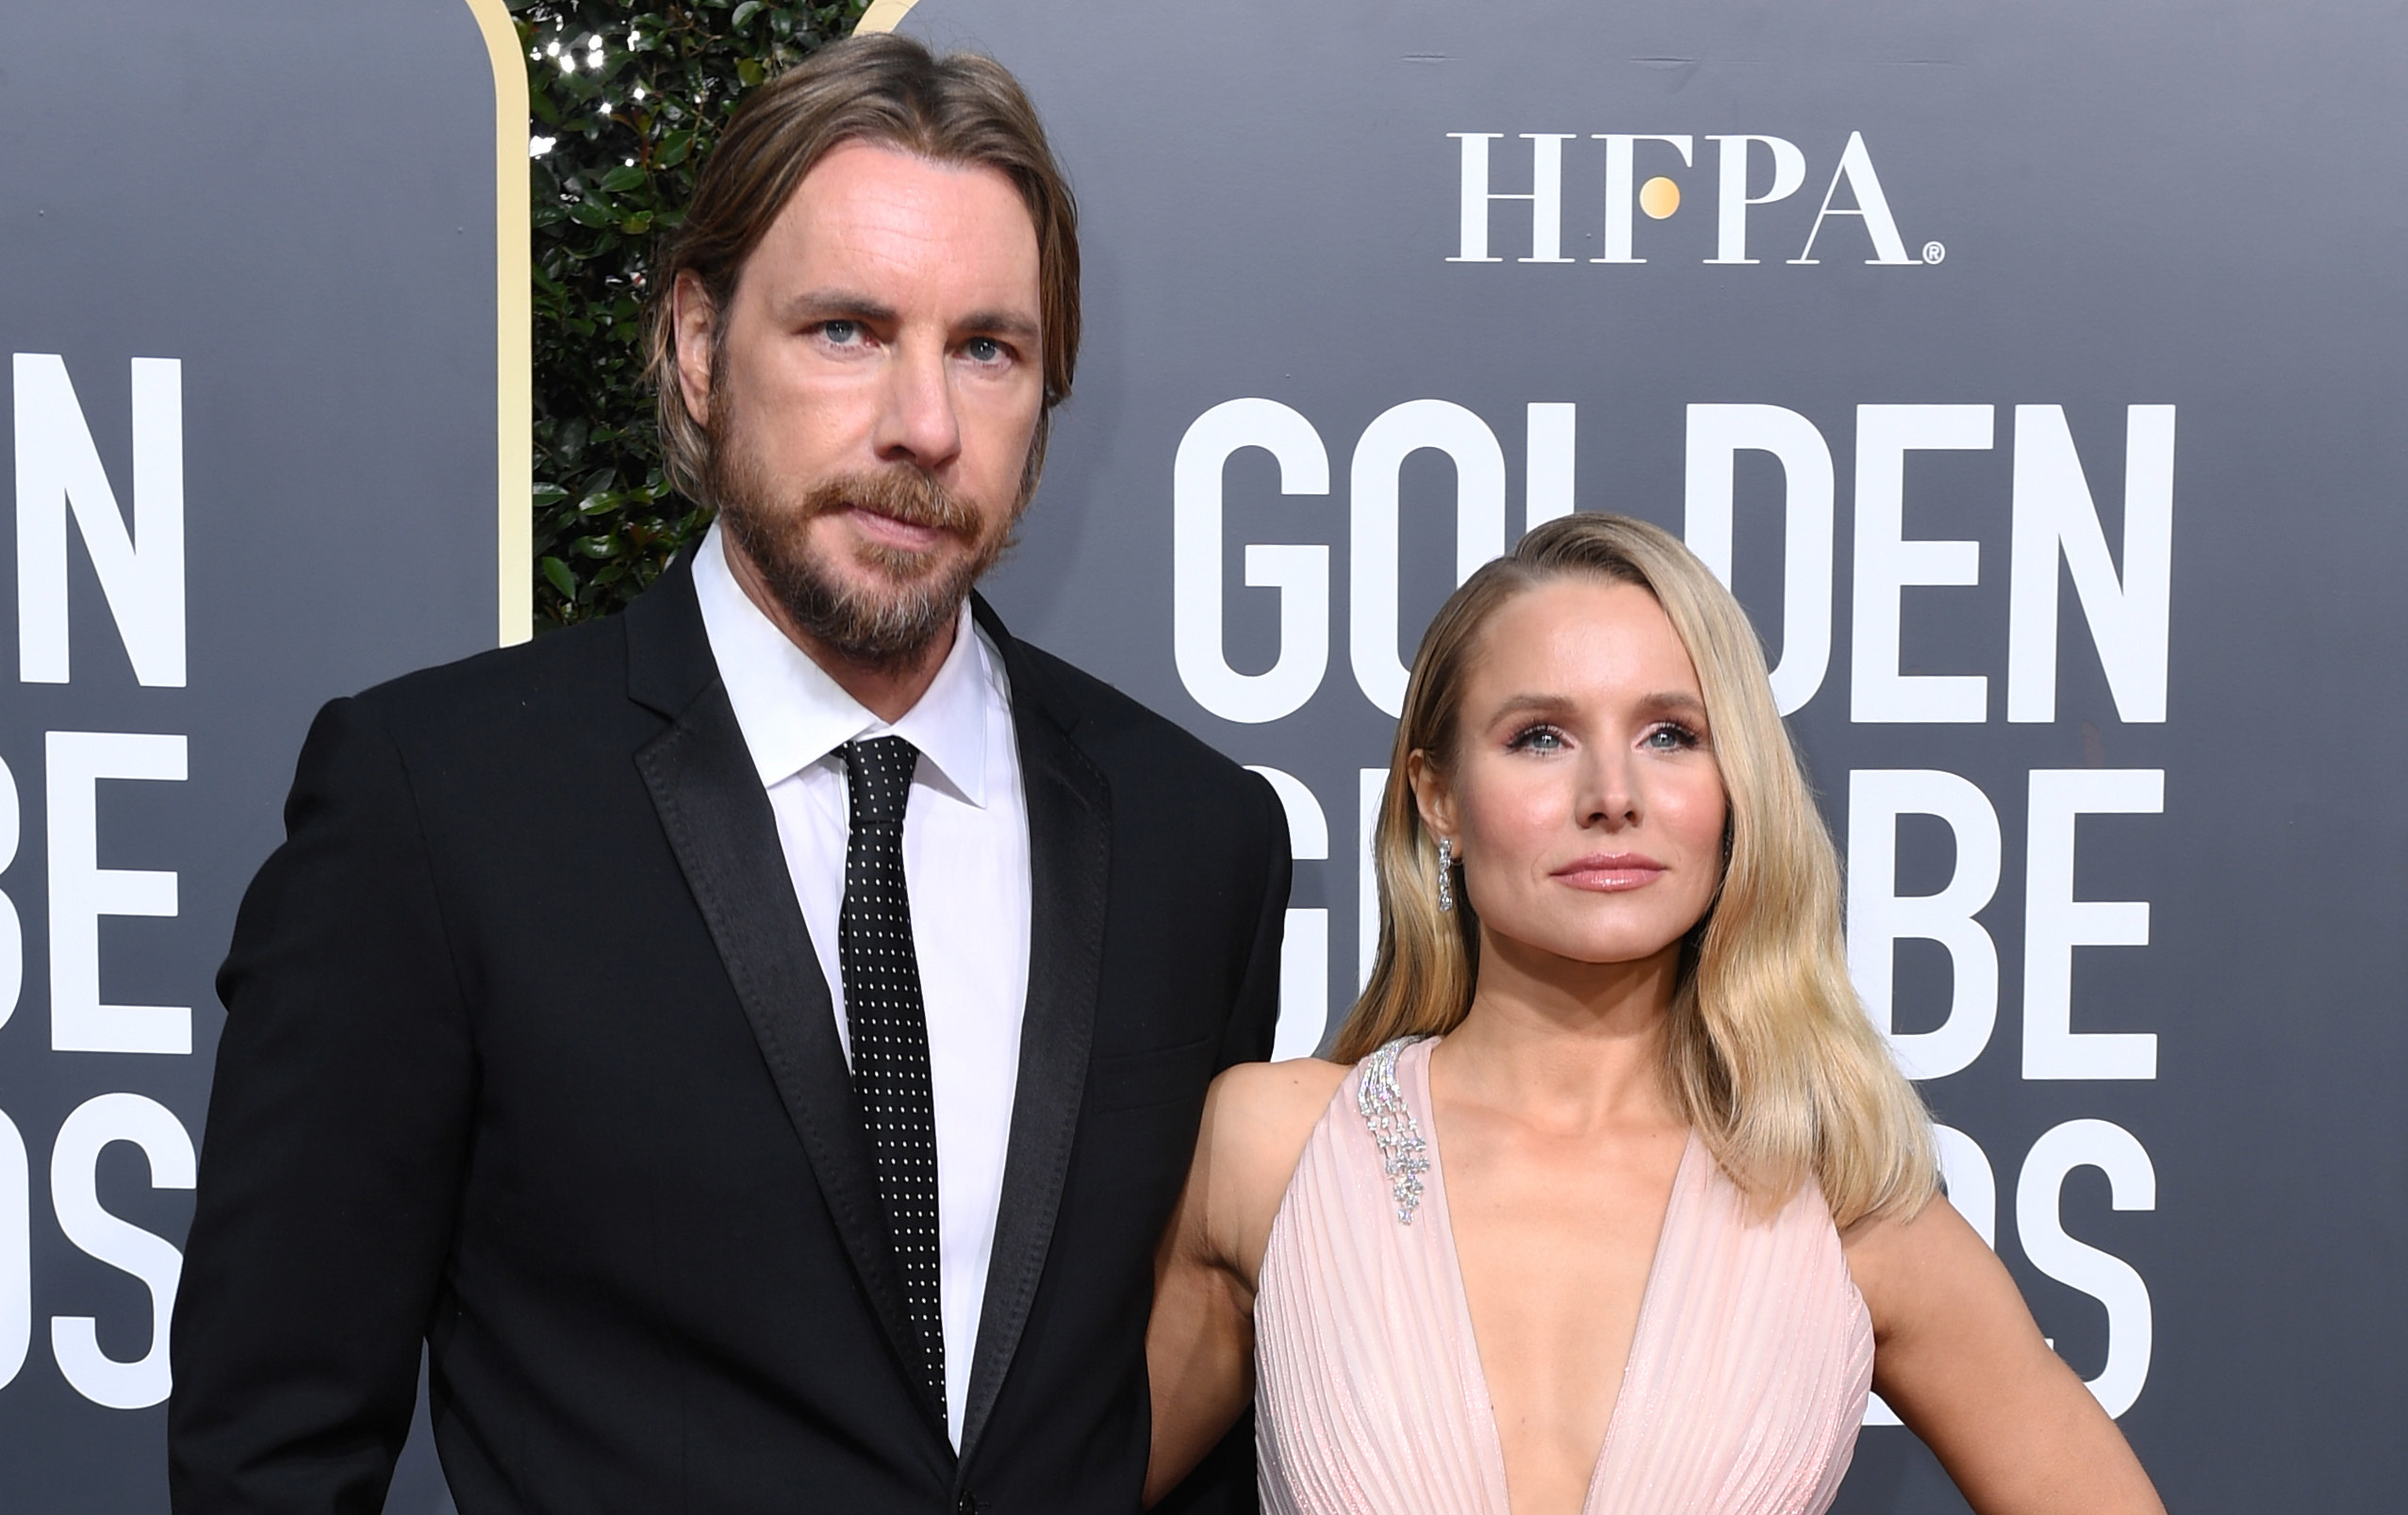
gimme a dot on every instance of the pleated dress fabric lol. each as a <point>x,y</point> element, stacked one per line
<point>1747,1374</point>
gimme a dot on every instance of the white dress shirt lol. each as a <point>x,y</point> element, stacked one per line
<point>965,863</point>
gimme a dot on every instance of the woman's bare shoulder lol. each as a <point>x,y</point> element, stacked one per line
<point>1259,1115</point>
<point>1279,1094</point>
<point>1911,1263</point>
<point>1257,1119</point>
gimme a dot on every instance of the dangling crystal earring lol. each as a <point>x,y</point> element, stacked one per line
<point>1446,875</point>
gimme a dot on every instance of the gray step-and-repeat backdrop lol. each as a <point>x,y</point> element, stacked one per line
<point>253,284</point>
<point>2034,373</point>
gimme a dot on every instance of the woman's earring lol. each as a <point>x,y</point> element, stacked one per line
<point>1446,875</point>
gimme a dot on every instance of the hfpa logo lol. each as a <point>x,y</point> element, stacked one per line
<point>1661,196</point>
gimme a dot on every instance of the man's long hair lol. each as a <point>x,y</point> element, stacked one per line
<point>880,89</point>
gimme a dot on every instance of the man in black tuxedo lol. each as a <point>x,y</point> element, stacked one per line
<point>754,1042</point>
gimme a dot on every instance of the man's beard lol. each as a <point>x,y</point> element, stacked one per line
<point>913,597</point>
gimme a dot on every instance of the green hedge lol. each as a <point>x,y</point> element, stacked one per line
<point>628,97</point>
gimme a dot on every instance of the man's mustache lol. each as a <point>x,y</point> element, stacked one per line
<point>900,494</point>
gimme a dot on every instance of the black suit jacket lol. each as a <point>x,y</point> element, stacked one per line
<point>528,1055</point>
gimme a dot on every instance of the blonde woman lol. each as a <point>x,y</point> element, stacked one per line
<point>1613,1200</point>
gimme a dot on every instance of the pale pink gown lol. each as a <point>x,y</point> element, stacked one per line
<point>1742,1393</point>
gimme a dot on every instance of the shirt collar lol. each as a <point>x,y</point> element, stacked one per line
<point>793,715</point>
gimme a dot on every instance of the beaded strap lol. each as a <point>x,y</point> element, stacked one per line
<point>1403,1156</point>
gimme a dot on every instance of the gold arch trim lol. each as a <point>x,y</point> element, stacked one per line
<point>884,15</point>
<point>514,335</point>
<point>513,310</point>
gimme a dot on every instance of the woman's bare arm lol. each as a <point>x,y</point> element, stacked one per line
<point>1958,1357</point>
<point>1199,1344</point>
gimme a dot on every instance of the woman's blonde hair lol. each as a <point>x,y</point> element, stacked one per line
<point>1769,1054</point>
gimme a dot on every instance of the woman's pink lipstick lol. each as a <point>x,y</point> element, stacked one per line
<point>1611,872</point>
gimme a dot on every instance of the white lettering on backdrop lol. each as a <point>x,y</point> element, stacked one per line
<point>61,477</point>
<point>1659,197</point>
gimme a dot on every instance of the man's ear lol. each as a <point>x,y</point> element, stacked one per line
<point>695,324</point>
<point>1433,797</point>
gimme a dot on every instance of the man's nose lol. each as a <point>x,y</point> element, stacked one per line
<point>917,422</point>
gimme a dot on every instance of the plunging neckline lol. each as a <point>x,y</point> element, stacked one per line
<point>1444,1196</point>
<point>1738,1394</point>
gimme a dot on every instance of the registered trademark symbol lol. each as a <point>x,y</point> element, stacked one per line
<point>1933,252</point>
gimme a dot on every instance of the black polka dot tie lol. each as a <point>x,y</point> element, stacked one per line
<point>890,1029</point>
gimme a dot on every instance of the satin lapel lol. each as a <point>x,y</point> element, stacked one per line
<point>1069,868</point>
<point>720,824</point>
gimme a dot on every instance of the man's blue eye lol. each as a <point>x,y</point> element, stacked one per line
<point>842,333</point>
<point>984,350</point>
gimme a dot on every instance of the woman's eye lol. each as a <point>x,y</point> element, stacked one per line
<point>1536,739</point>
<point>1670,737</point>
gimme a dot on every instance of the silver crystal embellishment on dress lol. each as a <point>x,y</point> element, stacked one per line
<point>1403,1156</point>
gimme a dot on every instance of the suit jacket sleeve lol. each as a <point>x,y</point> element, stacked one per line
<point>1254,1019</point>
<point>331,1161</point>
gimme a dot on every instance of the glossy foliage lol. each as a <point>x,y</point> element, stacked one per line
<point>626,98</point>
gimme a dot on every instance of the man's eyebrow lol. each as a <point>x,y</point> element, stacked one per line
<point>1001,323</point>
<point>844,304</point>
<point>833,304</point>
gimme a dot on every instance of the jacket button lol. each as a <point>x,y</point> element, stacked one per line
<point>968,1504</point>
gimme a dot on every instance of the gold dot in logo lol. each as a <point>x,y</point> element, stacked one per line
<point>1659,197</point>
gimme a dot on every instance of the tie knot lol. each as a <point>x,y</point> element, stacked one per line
<point>879,773</point>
